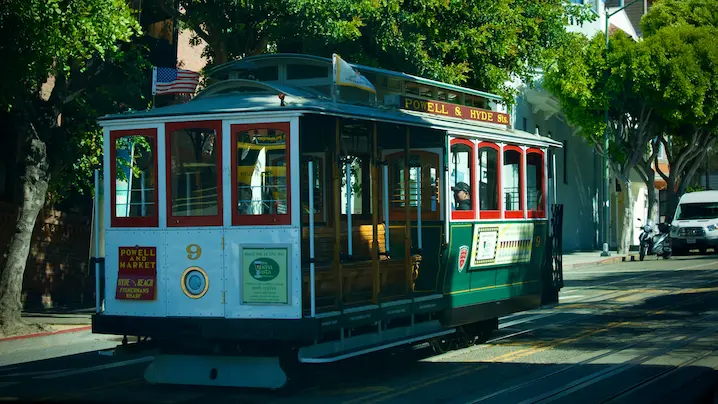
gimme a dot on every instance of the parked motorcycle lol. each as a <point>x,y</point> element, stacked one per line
<point>655,244</point>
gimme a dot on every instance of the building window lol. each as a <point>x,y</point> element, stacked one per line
<point>535,184</point>
<point>134,178</point>
<point>260,174</point>
<point>461,164</point>
<point>194,169</point>
<point>489,181</point>
<point>511,180</point>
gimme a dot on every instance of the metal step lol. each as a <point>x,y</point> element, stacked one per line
<point>364,344</point>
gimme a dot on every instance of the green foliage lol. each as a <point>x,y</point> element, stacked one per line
<point>586,83</point>
<point>695,188</point>
<point>43,38</point>
<point>83,48</point>
<point>483,44</point>
<point>679,71</point>
<point>664,13</point>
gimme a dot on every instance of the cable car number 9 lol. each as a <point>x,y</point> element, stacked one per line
<point>194,251</point>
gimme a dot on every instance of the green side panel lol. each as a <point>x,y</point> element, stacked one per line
<point>457,277</point>
<point>504,260</point>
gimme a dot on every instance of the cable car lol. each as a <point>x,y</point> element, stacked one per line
<point>281,217</point>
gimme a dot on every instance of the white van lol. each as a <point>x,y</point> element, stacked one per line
<point>695,224</point>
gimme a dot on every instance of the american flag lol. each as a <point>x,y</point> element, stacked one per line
<point>167,80</point>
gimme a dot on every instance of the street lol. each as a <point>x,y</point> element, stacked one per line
<point>630,332</point>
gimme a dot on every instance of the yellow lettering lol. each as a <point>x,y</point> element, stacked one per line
<point>407,103</point>
<point>490,116</point>
<point>145,282</point>
<point>502,119</point>
<point>444,111</point>
<point>123,282</point>
<point>457,111</point>
<point>431,107</point>
<point>474,114</point>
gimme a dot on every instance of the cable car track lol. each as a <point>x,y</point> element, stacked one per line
<point>610,371</point>
<point>551,344</point>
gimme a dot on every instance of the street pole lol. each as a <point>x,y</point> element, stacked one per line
<point>606,205</point>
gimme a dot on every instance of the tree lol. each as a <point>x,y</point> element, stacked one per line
<point>586,82</point>
<point>482,45</point>
<point>67,46</point>
<point>679,39</point>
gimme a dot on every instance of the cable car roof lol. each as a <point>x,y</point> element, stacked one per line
<point>229,98</point>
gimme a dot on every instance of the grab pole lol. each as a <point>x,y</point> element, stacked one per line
<point>311,237</point>
<point>97,242</point>
<point>386,207</point>
<point>349,207</point>
<point>418,206</point>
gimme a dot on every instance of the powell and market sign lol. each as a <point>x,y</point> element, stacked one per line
<point>447,109</point>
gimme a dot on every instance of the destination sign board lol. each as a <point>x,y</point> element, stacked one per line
<point>453,110</point>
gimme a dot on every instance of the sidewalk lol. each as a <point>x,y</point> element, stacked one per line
<point>582,259</point>
<point>59,322</point>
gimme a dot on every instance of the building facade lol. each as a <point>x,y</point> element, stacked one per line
<point>578,168</point>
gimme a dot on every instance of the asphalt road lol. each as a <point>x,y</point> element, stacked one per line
<point>631,332</point>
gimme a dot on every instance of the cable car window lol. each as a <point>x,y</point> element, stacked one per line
<point>134,178</point>
<point>317,185</point>
<point>511,180</point>
<point>488,178</point>
<point>461,163</point>
<point>356,178</point>
<point>423,166</point>
<point>260,175</point>
<point>535,183</point>
<point>194,174</point>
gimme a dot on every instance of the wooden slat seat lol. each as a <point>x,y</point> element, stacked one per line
<point>357,280</point>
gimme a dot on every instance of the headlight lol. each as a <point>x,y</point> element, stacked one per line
<point>712,227</point>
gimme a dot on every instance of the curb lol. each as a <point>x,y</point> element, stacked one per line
<point>47,333</point>
<point>605,261</point>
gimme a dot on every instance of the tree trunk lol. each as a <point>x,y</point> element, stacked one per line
<point>624,242</point>
<point>34,186</point>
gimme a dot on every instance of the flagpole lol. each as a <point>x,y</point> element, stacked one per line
<point>334,77</point>
<point>154,82</point>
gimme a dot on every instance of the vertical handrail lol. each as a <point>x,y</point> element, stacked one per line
<point>311,238</point>
<point>337,217</point>
<point>407,212</point>
<point>375,222</point>
<point>387,244</point>
<point>349,206</point>
<point>142,196</point>
<point>97,241</point>
<point>418,207</point>
<point>128,206</point>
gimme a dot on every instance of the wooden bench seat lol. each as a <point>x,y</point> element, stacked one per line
<point>357,282</point>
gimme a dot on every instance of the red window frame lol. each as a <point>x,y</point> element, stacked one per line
<point>255,220</point>
<point>515,214</point>
<point>541,212</point>
<point>193,221</point>
<point>146,221</point>
<point>465,214</point>
<point>493,214</point>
